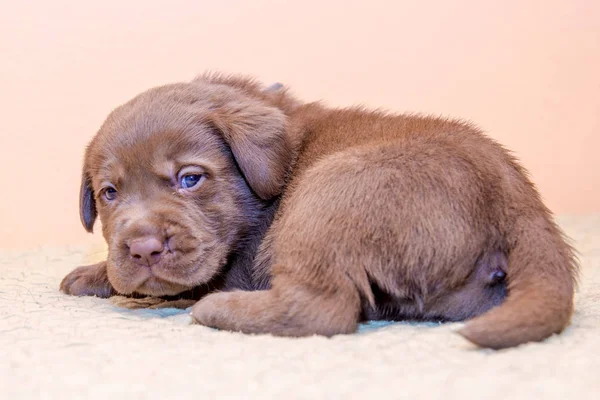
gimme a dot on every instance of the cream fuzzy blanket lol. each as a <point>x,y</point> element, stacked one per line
<point>54,346</point>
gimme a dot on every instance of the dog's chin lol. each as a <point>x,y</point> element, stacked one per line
<point>146,283</point>
<point>158,287</point>
<point>158,280</point>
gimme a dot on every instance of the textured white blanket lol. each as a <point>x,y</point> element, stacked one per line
<point>57,346</point>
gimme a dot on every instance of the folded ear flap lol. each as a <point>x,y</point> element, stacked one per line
<point>258,139</point>
<point>87,203</point>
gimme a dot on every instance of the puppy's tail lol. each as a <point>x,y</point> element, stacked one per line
<point>542,273</point>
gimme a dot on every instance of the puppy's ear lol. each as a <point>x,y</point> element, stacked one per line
<point>257,136</point>
<point>274,87</point>
<point>87,203</point>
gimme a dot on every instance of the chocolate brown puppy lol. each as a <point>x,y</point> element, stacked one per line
<point>306,220</point>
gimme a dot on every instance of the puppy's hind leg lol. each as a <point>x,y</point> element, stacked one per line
<point>287,309</point>
<point>318,254</point>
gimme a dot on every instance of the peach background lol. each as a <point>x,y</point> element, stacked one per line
<point>526,71</point>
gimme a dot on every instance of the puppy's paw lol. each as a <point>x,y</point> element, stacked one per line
<point>134,303</point>
<point>256,312</point>
<point>213,310</point>
<point>90,280</point>
<point>150,302</point>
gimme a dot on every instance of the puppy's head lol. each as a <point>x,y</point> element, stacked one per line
<point>178,177</point>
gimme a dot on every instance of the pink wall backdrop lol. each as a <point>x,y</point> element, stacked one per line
<point>525,71</point>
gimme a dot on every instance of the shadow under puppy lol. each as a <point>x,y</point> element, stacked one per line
<point>297,219</point>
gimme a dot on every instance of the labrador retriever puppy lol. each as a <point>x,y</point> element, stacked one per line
<point>296,219</point>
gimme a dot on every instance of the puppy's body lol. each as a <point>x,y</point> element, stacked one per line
<point>334,215</point>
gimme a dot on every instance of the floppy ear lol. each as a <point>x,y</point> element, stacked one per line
<point>87,203</point>
<point>258,139</point>
<point>274,87</point>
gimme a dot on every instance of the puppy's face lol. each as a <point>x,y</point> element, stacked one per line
<point>172,207</point>
<point>178,177</point>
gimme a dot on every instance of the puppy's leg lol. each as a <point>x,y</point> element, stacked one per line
<point>289,308</point>
<point>90,280</point>
<point>318,281</point>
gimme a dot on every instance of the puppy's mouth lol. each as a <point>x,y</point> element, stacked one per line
<point>165,278</point>
<point>156,286</point>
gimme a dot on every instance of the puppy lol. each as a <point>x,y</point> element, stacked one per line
<point>298,219</point>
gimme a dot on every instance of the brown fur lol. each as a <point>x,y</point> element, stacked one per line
<point>321,217</point>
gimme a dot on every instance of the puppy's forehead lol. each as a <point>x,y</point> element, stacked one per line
<point>163,150</point>
<point>152,135</point>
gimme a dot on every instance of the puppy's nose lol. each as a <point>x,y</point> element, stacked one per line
<point>147,250</point>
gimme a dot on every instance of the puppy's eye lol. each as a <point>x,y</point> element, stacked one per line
<point>190,177</point>
<point>190,180</point>
<point>110,193</point>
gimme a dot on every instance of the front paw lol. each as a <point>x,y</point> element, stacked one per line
<point>90,280</point>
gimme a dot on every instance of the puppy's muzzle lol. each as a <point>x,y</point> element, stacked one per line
<point>147,250</point>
